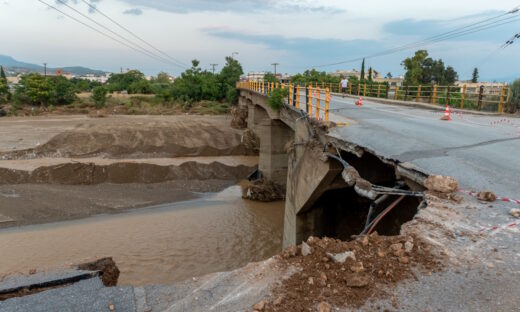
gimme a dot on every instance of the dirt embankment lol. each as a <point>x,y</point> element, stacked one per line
<point>138,138</point>
<point>76,173</point>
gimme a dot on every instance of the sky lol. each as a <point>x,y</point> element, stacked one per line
<point>296,34</point>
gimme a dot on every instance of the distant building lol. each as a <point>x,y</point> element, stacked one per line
<point>100,79</point>
<point>355,73</point>
<point>255,76</point>
<point>393,82</point>
<point>13,80</point>
<point>346,73</point>
<point>490,88</point>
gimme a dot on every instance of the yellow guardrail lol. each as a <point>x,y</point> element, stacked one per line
<point>317,99</point>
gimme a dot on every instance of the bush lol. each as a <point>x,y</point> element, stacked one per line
<point>276,100</point>
<point>514,98</point>
<point>99,95</point>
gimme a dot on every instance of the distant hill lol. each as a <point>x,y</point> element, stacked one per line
<point>14,65</point>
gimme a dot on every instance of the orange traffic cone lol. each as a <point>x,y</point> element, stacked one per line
<point>447,113</point>
<point>360,102</point>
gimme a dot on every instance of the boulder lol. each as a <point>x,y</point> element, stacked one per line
<point>441,184</point>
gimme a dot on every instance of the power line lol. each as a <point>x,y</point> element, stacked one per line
<point>458,32</point>
<point>116,34</point>
<point>98,31</point>
<point>93,7</point>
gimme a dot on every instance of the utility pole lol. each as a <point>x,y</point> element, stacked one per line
<point>45,69</point>
<point>214,65</point>
<point>275,64</point>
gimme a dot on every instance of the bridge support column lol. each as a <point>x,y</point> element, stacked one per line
<point>309,177</point>
<point>274,136</point>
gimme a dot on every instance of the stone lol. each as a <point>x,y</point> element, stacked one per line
<point>441,184</point>
<point>396,247</point>
<point>111,307</point>
<point>323,277</point>
<point>306,249</point>
<point>357,268</point>
<point>515,212</point>
<point>109,268</point>
<point>365,242</point>
<point>381,254</point>
<point>486,196</point>
<point>290,252</point>
<point>408,247</point>
<point>342,257</point>
<point>259,306</point>
<point>358,281</point>
<point>324,307</point>
<point>278,301</point>
<point>399,253</point>
<point>310,281</point>
<point>404,260</point>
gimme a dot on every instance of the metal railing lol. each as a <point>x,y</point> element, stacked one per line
<point>480,99</point>
<point>313,99</point>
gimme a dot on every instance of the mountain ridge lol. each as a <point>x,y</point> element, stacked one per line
<point>10,63</point>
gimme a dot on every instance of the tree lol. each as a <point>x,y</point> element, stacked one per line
<point>4,87</point>
<point>229,76</point>
<point>4,91</point>
<point>474,79</point>
<point>414,67</point>
<point>122,82</point>
<point>362,77</point>
<point>34,89</point>
<point>2,73</point>
<point>450,75</point>
<point>162,77</point>
<point>514,99</point>
<point>99,95</point>
<point>370,74</point>
<point>64,91</point>
<point>269,77</point>
<point>421,69</point>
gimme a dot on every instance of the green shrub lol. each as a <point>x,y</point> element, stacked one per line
<point>277,98</point>
<point>99,95</point>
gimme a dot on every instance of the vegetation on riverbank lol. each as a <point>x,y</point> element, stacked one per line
<point>195,91</point>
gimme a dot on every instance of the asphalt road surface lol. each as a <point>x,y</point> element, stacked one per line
<point>481,152</point>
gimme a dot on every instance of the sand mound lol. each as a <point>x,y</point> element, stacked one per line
<point>124,172</point>
<point>147,140</point>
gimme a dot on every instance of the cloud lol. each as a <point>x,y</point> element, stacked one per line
<point>186,6</point>
<point>133,12</point>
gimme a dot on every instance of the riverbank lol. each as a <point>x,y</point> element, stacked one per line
<point>68,167</point>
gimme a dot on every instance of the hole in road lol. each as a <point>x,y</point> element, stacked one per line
<point>342,213</point>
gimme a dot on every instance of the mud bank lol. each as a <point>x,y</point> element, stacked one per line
<point>97,171</point>
<point>119,137</point>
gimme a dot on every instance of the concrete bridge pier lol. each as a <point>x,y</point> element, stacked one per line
<point>310,175</point>
<point>274,135</point>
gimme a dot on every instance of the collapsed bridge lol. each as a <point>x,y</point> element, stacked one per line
<point>334,188</point>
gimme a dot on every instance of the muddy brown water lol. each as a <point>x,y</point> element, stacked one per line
<point>161,245</point>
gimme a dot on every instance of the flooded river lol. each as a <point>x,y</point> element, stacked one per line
<point>158,245</point>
